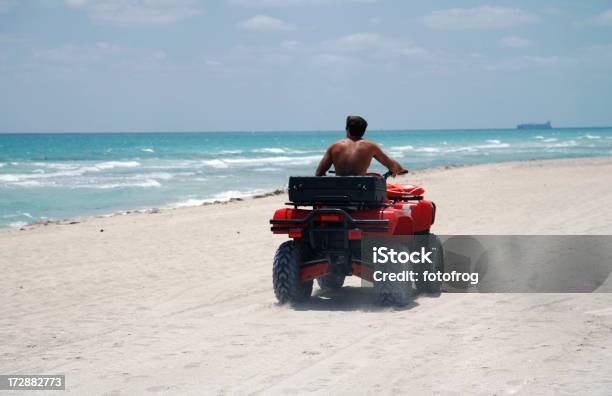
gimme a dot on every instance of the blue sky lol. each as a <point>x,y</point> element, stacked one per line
<point>191,65</point>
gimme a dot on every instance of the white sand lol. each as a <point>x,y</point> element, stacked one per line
<point>181,302</point>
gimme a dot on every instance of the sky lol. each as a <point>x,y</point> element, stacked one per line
<point>244,65</point>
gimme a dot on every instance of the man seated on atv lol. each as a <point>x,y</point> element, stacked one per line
<point>352,155</point>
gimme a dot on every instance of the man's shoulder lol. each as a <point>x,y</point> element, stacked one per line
<point>367,143</point>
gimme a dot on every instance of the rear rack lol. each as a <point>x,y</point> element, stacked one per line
<point>348,222</point>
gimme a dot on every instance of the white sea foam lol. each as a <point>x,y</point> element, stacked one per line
<point>55,165</point>
<point>158,175</point>
<point>227,195</point>
<point>18,224</point>
<point>539,137</point>
<point>148,150</point>
<point>2,164</point>
<point>588,136</point>
<point>226,162</point>
<point>231,152</point>
<point>30,183</point>
<point>550,140</point>
<point>568,143</point>
<point>284,150</point>
<point>478,147</point>
<point>188,203</point>
<point>427,150</point>
<point>106,186</point>
<point>268,169</point>
<point>219,197</point>
<point>117,164</point>
<point>494,141</point>
<point>271,150</point>
<point>403,148</point>
<point>218,164</point>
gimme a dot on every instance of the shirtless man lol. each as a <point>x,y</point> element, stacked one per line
<point>352,155</point>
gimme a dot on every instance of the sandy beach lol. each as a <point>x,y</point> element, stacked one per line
<point>181,301</point>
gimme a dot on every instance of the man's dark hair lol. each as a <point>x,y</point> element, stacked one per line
<point>356,126</point>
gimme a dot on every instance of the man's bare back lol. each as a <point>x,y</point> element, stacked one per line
<point>352,155</point>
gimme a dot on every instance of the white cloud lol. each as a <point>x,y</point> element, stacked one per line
<point>484,17</point>
<point>293,3</point>
<point>603,19</point>
<point>264,23</point>
<point>377,45</point>
<point>75,54</point>
<point>514,42</point>
<point>128,12</point>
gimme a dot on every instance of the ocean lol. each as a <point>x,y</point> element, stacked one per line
<point>58,176</point>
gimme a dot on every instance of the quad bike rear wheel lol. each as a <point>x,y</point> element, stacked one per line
<point>288,288</point>
<point>434,245</point>
<point>394,293</point>
<point>331,281</point>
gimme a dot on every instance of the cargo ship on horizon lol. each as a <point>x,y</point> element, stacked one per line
<point>545,125</point>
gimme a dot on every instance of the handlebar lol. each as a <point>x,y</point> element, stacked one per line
<point>385,176</point>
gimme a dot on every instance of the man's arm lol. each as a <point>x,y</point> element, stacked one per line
<point>394,167</point>
<point>326,163</point>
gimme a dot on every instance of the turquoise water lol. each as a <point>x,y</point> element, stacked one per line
<point>56,176</point>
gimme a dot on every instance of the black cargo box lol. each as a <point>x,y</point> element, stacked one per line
<point>306,190</point>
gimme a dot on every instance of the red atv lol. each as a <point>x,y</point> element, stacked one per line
<point>327,221</point>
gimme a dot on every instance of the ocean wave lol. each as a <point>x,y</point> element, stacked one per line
<point>32,183</point>
<point>55,165</point>
<point>226,162</point>
<point>403,148</point>
<point>2,164</point>
<point>230,152</point>
<point>478,147</point>
<point>159,175</point>
<point>117,164</point>
<point>106,186</point>
<point>588,136</point>
<point>268,169</point>
<point>18,224</point>
<point>569,143</point>
<point>283,150</point>
<point>550,140</point>
<point>13,215</point>
<point>494,141</point>
<point>219,197</point>
<point>271,150</point>
<point>218,164</point>
<point>399,149</point>
<point>427,150</point>
<point>147,150</point>
<point>538,137</point>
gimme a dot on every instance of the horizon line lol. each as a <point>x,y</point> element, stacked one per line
<point>291,131</point>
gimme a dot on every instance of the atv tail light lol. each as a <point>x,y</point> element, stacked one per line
<point>330,217</point>
<point>354,235</point>
<point>295,233</point>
